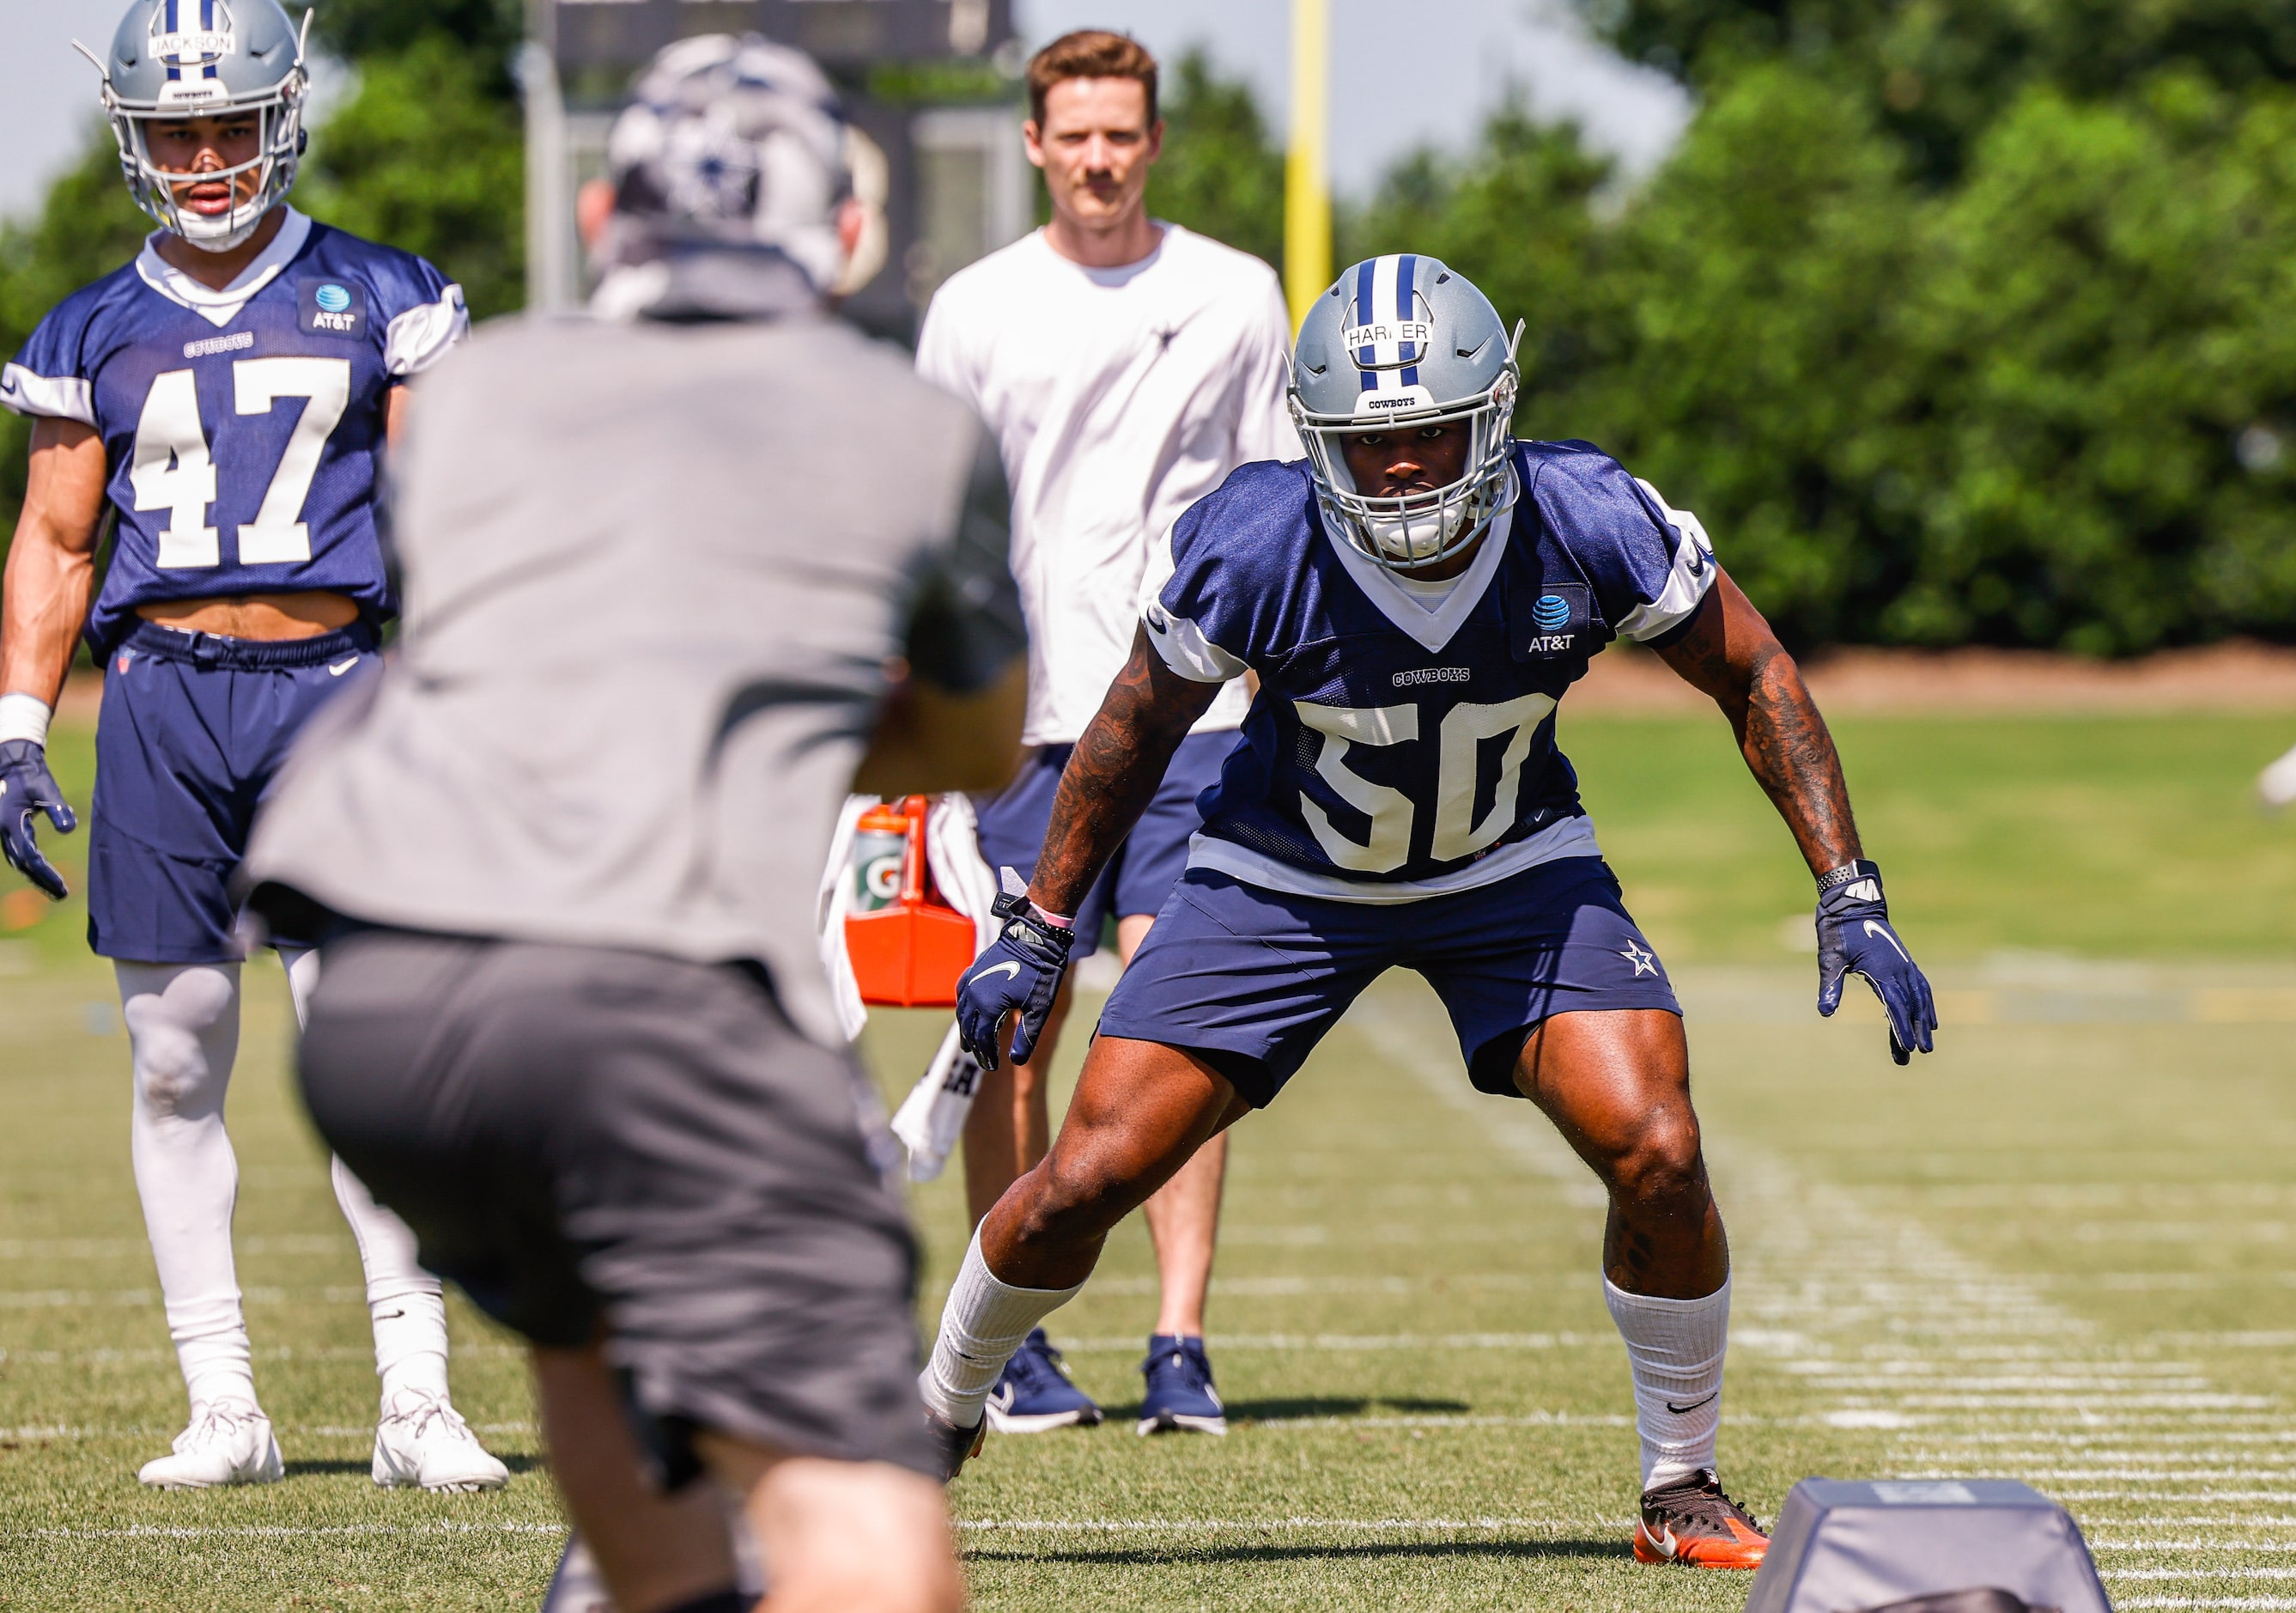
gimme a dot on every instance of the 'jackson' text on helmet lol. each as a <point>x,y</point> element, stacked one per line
<point>174,60</point>
<point>1401,342</point>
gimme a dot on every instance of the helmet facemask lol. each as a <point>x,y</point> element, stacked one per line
<point>190,93</point>
<point>1412,531</point>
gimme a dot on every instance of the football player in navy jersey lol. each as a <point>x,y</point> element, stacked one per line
<point>227,398</point>
<point>1416,596</point>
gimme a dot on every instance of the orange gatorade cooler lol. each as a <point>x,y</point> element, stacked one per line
<point>908,947</point>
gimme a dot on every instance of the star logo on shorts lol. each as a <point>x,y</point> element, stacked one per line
<point>1644,961</point>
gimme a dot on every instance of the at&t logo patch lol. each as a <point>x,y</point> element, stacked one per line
<point>1557,619</point>
<point>332,308</point>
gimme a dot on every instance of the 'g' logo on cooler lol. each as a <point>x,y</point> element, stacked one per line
<point>334,299</point>
<point>1552,611</point>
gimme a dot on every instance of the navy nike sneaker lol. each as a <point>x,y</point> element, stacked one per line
<point>1035,1394</point>
<point>1180,1397</point>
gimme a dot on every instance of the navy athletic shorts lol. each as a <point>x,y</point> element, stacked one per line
<point>1151,859</point>
<point>1251,979</point>
<point>192,731</point>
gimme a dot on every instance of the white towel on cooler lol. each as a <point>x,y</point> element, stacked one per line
<point>829,917</point>
<point>931,1119</point>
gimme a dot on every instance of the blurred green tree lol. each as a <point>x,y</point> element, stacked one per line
<point>1741,358</point>
<point>429,158</point>
<point>1221,173</point>
<point>1940,71</point>
<point>356,29</point>
<point>2104,380</point>
<point>1517,216</point>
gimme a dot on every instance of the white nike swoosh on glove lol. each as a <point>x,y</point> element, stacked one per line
<point>1875,928</point>
<point>1001,968</point>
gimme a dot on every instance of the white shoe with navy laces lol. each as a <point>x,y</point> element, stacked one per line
<point>423,1442</point>
<point>1035,1395</point>
<point>1180,1397</point>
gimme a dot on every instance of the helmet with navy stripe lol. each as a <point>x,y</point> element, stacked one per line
<point>174,60</point>
<point>1399,342</point>
<point>739,144</point>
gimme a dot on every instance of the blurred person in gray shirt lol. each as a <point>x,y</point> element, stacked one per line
<point>676,576</point>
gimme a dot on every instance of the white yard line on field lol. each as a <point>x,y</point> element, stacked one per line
<point>73,1299</point>
<point>1892,1330</point>
<point>2161,1574</point>
<point>1292,1342</point>
<point>1252,1525</point>
<point>279,1531</point>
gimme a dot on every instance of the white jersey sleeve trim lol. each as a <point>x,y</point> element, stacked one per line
<point>420,337</point>
<point>1570,837</point>
<point>1179,641</point>
<point>65,397</point>
<point>1186,651</point>
<point>1687,585</point>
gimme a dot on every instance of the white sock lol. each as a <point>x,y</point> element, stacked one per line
<point>1676,1347</point>
<point>182,1027</point>
<point>407,1304</point>
<point>984,1322</point>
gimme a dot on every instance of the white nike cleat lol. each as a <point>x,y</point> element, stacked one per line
<point>229,1442</point>
<point>423,1442</point>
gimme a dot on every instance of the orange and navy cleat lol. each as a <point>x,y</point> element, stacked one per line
<point>1690,1521</point>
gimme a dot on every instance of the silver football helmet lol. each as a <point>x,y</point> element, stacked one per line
<point>1400,343</point>
<point>739,142</point>
<point>177,59</point>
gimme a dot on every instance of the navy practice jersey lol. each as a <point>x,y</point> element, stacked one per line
<point>1401,747</point>
<point>244,428</point>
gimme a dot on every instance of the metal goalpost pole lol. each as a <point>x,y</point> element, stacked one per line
<point>1306,175</point>
<point>550,246</point>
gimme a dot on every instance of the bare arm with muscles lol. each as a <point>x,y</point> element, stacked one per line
<point>1108,781</point>
<point>1731,655</point>
<point>51,573</point>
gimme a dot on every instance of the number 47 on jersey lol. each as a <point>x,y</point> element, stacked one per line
<point>174,471</point>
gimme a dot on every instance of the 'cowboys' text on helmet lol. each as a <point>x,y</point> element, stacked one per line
<point>174,60</point>
<point>1399,343</point>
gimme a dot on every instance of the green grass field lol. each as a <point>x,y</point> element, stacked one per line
<point>2064,1250</point>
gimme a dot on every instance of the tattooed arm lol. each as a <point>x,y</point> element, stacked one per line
<point>1114,772</point>
<point>1731,655</point>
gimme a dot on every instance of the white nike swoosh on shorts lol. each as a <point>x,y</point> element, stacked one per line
<point>337,670</point>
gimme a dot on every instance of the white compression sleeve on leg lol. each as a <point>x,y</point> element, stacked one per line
<point>983,1324</point>
<point>406,1302</point>
<point>183,1025</point>
<point>1676,1347</point>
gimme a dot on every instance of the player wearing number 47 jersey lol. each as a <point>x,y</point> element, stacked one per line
<point>228,397</point>
<point>1415,598</point>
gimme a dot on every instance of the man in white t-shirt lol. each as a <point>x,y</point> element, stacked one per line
<point>1125,366</point>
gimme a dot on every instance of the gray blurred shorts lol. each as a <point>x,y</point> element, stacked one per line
<point>588,1140</point>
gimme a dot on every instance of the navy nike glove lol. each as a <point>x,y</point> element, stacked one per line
<point>1018,973</point>
<point>27,789</point>
<point>1854,937</point>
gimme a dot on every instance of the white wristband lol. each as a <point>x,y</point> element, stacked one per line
<point>24,717</point>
